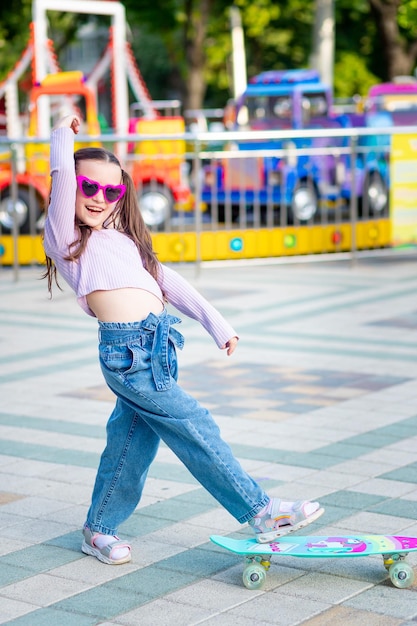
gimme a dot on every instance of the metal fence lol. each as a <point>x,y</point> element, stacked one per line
<point>215,184</point>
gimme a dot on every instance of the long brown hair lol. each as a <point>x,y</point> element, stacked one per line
<point>126,217</point>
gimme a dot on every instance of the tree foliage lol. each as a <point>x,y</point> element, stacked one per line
<point>184,47</point>
<point>397,34</point>
<point>15,17</point>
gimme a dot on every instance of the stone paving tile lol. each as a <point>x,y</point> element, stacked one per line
<point>11,608</point>
<point>387,601</point>
<point>275,607</point>
<point>103,602</point>
<point>211,594</point>
<point>7,546</point>
<point>407,473</point>
<point>319,401</point>
<point>165,613</point>
<point>362,521</point>
<point>226,619</point>
<point>42,530</point>
<point>342,615</point>
<point>49,615</point>
<point>42,589</point>
<point>381,487</point>
<point>325,588</point>
<point>412,495</point>
<point>10,573</point>
<point>397,507</point>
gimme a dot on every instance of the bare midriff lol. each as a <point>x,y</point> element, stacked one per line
<point>124,305</point>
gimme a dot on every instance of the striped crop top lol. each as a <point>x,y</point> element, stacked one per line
<point>111,260</point>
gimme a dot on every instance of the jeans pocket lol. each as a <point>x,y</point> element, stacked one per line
<point>126,358</point>
<point>116,358</point>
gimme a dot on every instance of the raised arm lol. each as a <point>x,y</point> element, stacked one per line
<point>59,223</point>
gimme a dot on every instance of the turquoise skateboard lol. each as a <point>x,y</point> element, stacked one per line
<point>258,555</point>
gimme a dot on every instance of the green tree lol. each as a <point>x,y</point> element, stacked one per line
<point>197,38</point>
<point>15,21</point>
<point>183,47</point>
<point>15,17</point>
<point>375,40</point>
<point>396,25</point>
<point>182,27</point>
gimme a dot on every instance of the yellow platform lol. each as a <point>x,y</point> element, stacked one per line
<point>235,244</point>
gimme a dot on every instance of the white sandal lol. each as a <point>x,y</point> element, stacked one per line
<point>104,554</point>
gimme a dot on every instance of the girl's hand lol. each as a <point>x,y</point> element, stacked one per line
<point>230,345</point>
<point>69,121</point>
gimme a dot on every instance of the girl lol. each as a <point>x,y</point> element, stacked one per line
<point>96,238</point>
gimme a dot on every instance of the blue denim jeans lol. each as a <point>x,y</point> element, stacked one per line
<point>139,364</point>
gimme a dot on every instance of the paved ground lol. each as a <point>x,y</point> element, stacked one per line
<point>319,401</point>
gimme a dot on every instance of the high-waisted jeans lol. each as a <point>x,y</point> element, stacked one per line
<point>139,364</point>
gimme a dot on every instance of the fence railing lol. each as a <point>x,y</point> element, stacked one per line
<point>202,185</point>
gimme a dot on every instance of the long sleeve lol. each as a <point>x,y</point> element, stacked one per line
<point>59,224</point>
<point>189,301</point>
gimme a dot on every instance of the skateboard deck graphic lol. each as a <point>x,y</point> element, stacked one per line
<point>258,555</point>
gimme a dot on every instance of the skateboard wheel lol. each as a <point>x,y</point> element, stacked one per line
<point>254,576</point>
<point>401,575</point>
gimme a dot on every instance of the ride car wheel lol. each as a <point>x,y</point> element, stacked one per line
<point>304,204</point>
<point>156,205</point>
<point>22,212</point>
<point>376,193</point>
